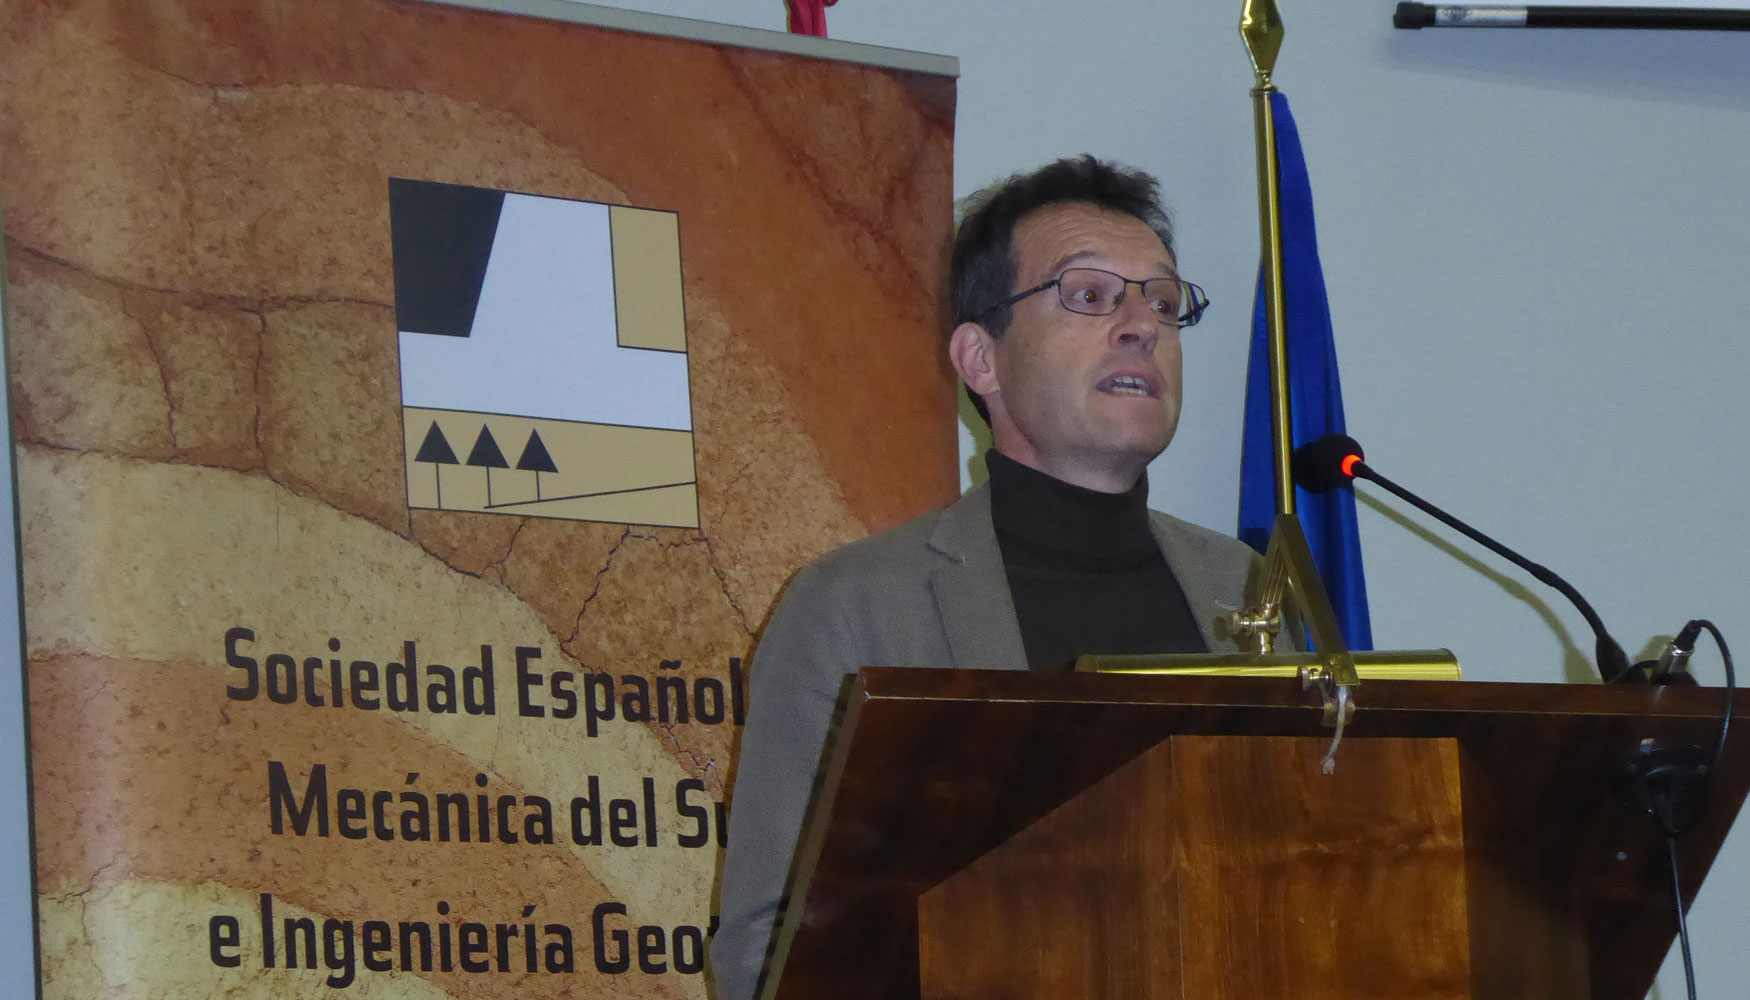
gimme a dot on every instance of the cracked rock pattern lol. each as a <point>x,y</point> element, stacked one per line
<point>205,397</point>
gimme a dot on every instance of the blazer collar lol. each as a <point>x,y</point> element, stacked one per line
<point>972,589</point>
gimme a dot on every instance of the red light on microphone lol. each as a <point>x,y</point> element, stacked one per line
<point>1349,465</point>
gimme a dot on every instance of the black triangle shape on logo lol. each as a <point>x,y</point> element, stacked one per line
<point>436,448</point>
<point>485,452</point>
<point>534,457</point>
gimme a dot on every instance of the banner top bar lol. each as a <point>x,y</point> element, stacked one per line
<point>722,34</point>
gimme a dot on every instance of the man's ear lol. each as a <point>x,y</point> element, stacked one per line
<point>971,350</point>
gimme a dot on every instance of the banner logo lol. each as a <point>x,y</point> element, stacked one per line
<point>543,356</point>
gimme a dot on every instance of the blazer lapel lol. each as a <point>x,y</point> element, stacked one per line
<point>1183,559</point>
<point>972,590</point>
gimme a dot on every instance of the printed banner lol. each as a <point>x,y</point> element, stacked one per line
<point>417,411</point>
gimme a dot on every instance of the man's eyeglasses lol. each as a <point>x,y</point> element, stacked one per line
<point>1093,292</point>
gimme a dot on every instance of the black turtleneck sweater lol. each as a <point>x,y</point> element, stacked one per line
<point>1084,569</point>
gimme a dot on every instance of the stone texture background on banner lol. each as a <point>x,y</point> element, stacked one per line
<point>214,504</point>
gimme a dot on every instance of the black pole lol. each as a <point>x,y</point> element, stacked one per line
<point>1428,15</point>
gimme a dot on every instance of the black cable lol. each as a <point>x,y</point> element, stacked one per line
<point>1661,794</point>
<point>1682,922</point>
<point>1731,688</point>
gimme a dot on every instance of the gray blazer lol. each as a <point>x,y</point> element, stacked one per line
<point>931,592</point>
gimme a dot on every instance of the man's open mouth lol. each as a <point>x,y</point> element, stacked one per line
<point>1127,385</point>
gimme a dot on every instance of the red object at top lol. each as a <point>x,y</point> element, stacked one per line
<point>1349,465</point>
<point>808,17</point>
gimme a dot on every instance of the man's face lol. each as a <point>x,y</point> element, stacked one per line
<point>1088,399</point>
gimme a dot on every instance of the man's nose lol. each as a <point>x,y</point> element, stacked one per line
<point>1135,323</point>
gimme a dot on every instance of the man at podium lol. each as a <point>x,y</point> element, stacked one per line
<point>1068,306</point>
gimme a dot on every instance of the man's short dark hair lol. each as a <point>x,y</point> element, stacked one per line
<point>982,270</point>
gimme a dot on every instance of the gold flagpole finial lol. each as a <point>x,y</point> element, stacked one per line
<point>1261,27</point>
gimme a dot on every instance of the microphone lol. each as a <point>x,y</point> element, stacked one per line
<point>1336,461</point>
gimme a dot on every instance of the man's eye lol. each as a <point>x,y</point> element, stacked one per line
<point>1087,295</point>
<point>1166,307</point>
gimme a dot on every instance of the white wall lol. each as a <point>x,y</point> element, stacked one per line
<point>1536,249</point>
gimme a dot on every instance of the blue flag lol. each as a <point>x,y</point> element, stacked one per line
<point>1316,402</point>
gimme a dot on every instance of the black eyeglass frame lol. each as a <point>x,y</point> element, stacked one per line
<point>1198,298</point>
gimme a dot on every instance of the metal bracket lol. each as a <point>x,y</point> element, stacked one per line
<point>1289,571</point>
<point>1252,629</point>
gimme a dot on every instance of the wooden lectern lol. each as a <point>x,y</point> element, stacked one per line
<point>986,835</point>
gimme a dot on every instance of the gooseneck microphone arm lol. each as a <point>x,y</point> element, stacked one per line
<point>1336,459</point>
<point>1612,661</point>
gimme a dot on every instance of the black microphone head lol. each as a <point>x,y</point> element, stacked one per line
<point>1324,464</point>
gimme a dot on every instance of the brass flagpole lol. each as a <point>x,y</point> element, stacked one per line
<point>1289,573</point>
<point>1261,27</point>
